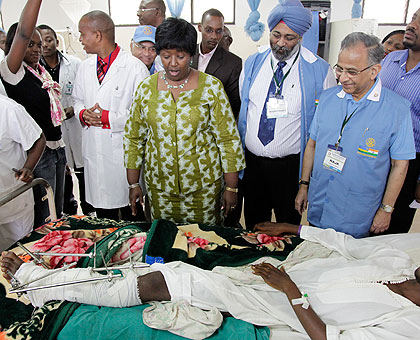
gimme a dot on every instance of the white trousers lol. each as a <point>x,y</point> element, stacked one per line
<point>258,304</point>
<point>16,230</point>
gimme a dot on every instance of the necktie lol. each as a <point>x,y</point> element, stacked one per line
<point>267,125</point>
<point>101,70</point>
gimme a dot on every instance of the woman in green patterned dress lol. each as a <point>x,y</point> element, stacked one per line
<point>181,128</point>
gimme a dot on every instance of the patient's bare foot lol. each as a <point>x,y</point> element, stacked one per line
<point>9,263</point>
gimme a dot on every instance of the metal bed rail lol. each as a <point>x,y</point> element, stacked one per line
<point>37,181</point>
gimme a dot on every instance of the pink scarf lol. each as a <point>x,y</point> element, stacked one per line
<point>54,92</point>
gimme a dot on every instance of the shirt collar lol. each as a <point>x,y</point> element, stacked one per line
<point>210,54</point>
<point>110,59</point>
<point>403,61</point>
<point>307,55</point>
<point>400,57</point>
<point>60,57</point>
<point>374,93</point>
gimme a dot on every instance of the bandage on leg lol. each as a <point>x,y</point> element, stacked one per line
<point>115,293</point>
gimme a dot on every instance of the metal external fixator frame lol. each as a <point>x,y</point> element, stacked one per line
<point>36,255</point>
<point>50,272</point>
<point>131,265</point>
<point>37,259</point>
<point>40,253</point>
<point>20,288</point>
<point>108,277</point>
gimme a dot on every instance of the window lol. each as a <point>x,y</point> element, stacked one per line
<point>126,15</point>
<point>398,12</point>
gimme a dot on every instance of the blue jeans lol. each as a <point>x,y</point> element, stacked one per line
<point>51,167</point>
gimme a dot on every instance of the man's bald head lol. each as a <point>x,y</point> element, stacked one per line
<point>102,22</point>
<point>159,4</point>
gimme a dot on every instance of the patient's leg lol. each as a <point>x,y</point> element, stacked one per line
<point>116,293</point>
<point>152,287</point>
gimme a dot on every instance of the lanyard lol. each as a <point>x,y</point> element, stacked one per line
<point>279,83</point>
<point>345,121</point>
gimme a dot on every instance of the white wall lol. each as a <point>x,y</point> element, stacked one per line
<point>52,14</point>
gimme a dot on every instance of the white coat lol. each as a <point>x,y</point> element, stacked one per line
<point>71,129</point>
<point>102,149</point>
<point>18,133</point>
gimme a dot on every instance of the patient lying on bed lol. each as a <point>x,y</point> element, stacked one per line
<point>331,287</point>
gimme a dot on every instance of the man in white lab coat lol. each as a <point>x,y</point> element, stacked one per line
<point>63,69</point>
<point>103,92</point>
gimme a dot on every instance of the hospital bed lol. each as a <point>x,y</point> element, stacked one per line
<point>121,242</point>
<point>49,196</point>
<point>117,243</point>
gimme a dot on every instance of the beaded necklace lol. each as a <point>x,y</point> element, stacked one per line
<point>169,86</point>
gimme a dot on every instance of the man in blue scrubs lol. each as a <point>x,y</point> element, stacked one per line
<point>361,132</point>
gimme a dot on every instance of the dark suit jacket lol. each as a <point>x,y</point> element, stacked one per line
<point>226,67</point>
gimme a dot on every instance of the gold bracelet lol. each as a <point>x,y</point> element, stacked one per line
<point>134,185</point>
<point>231,189</point>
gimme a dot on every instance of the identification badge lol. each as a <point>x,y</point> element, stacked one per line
<point>68,90</point>
<point>334,160</point>
<point>276,107</point>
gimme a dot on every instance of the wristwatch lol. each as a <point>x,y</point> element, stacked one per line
<point>303,182</point>
<point>387,208</point>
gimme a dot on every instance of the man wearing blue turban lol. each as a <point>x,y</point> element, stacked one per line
<point>279,91</point>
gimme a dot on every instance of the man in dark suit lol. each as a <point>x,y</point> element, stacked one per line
<point>215,60</point>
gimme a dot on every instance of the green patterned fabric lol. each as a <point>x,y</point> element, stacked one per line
<point>186,145</point>
<point>202,205</point>
<point>206,246</point>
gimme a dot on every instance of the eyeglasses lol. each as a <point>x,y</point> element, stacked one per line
<point>351,73</point>
<point>142,10</point>
<point>210,30</point>
<point>144,48</point>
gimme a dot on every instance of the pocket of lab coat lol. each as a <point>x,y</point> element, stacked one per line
<point>117,96</point>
